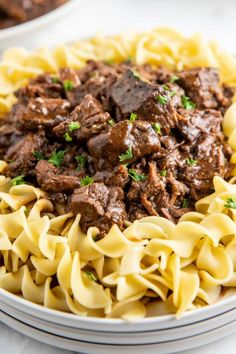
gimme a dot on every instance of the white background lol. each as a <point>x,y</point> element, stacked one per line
<point>215,18</point>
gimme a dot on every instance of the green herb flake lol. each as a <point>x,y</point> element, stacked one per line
<point>91,276</point>
<point>127,155</point>
<point>55,80</point>
<point>191,162</point>
<point>137,177</point>
<point>187,103</point>
<point>86,181</point>
<point>57,157</point>
<point>185,203</point>
<point>163,173</point>
<point>165,87</point>
<point>74,126</point>
<point>230,203</point>
<point>67,137</point>
<point>68,85</point>
<point>18,180</point>
<point>136,74</point>
<point>112,122</point>
<point>173,79</point>
<point>162,99</point>
<point>26,211</point>
<point>157,128</point>
<point>39,156</point>
<point>81,160</point>
<point>172,93</point>
<point>133,117</point>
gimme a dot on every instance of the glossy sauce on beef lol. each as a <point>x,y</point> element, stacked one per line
<point>118,142</point>
<point>14,12</point>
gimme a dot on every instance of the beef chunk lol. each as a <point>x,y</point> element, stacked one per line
<point>153,103</point>
<point>21,155</point>
<point>202,85</point>
<point>99,206</point>
<point>9,136</point>
<point>137,137</point>
<point>41,113</point>
<point>193,123</point>
<point>50,178</point>
<point>119,177</point>
<point>91,118</point>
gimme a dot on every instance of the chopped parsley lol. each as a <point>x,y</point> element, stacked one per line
<point>67,137</point>
<point>57,157</point>
<point>133,117</point>
<point>230,203</point>
<point>157,128</point>
<point>185,203</point>
<point>127,155</point>
<point>163,173</point>
<point>74,126</point>
<point>26,211</point>
<point>54,80</point>
<point>136,74</point>
<point>91,276</point>
<point>81,160</point>
<point>39,156</point>
<point>111,122</point>
<point>162,99</point>
<point>172,93</point>
<point>18,180</point>
<point>165,87</point>
<point>136,176</point>
<point>173,79</point>
<point>187,103</point>
<point>86,181</point>
<point>68,85</point>
<point>191,162</point>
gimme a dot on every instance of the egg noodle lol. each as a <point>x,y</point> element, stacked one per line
<point>153,266</point>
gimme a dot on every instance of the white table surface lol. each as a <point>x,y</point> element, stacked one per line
<point>215,18</point>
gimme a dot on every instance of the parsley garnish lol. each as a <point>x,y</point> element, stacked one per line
<point>111,122</point>
<point>39,156</point>
<point>163,173</point>
<point>133,117</point>
<point>18,180</point>
<point>162,99</point>
<point>172,93</point>
<point>57,157</point>
<point>191,162</point>
<point>136,74</point>
<point>136,176</point>
<point>68,85</point>
<point>67,137</point>
<point>86,181</point>
<point>187,103</point>
<point>54,80</point>
<point>91,276</point>
<point>185,203</point>
<point>127,155</point>
<point>173,79</point>
<point>165,87</point>
<point>74,126</point>
<point>157,128</point>
<point>230,203</point>
<point>81,160</point>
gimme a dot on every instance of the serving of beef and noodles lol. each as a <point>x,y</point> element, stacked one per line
<point>15,12</point>
<point>117,193</point>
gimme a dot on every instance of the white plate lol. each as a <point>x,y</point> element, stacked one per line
<point>87,347</point>
<point>24,33</point>
<point>122,338</point>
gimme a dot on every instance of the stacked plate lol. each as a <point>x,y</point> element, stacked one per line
<point>163,334</point>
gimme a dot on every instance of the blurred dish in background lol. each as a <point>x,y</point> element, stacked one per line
<point>20,11</point>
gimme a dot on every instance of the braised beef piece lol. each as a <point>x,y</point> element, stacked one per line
<point>151,102</point>
<point>99,206</point>
<point>202,85</point>
<point>90,117</point>
<point>115,142</point>
<point>125,142</point>
<point>50,178</point>
<point>21,156</point>
<point>41,113</point>
<point>18,11</point>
